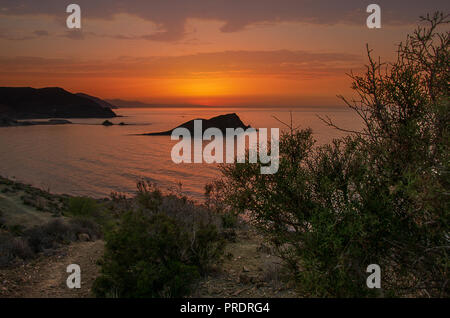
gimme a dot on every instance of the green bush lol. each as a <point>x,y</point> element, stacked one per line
<point>49,235</point>
<point>83,207</point>
<point>24,244</point>
<point>57,232</point>
<point>12,248</point>
<point>229,220</point>
<point>147,256</point>
<point>378,196</point>
<point>207,247</point>
<point>159,249</point>
<point>16,229</point>
<point>85,226</point>
<point>148,196</point>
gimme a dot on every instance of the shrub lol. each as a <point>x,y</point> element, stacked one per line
<point>49,235</point>
<point>26,244</point>
<point>149,196</point>
<point>378,196</point>
<point>229,220</point>
<point>159,249</point>
<point>86,226</point>
<point>146,257</point>
<point>83,207</point>
<point>12,248</point>
<point>57,232</point>
<point>207,247</point>
<point>16,229</point>
<point>216,203</point>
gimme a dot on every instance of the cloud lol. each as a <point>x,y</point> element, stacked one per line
<point>171,15</point>
<point>229,64</point>
<point>75,34</point>
<point>41,33</point>
<point>6,34</point>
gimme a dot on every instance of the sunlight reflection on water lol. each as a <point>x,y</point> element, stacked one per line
<point>87,158</point>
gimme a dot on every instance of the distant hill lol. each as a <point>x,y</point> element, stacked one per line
<point>137,104</point>
<point>127,103</point>
<point>50,102</point>
<point>99,101</point>
<point>221,122</point>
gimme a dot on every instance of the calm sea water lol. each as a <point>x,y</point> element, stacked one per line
<point>87,158</point>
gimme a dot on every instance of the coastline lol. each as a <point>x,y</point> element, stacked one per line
<point>8,122</point>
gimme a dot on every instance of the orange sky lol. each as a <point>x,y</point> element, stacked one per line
<point>200,52</point>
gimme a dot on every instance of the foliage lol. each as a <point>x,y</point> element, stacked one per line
<point>58,232</point>
<point>215,202</point>
<point>27,243</point>
<point>377,196</point>
<point>13,247</point>
<point>88,211</point>
<point>207,247</point>
<point>83,207</point>
<point>146,257</point>
<point>159,249</point>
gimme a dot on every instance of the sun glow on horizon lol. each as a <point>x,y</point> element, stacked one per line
<point>129,57</point>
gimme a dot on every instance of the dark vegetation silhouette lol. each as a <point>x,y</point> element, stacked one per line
<point>49,102</point>
<point>19,244</point>
<point>377,196</point>
<point>160,246</point>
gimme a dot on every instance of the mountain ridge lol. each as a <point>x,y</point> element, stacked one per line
<point>49,102</point>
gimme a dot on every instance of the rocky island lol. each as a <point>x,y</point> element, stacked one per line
<point>51,102</point>
<point>221,122</point>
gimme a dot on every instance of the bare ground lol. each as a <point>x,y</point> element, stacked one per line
<point>248,271</point>
<point>46,276</point>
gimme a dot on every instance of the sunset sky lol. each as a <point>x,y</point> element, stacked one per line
<point>212,52</point>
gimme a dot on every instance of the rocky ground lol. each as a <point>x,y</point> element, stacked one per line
<point>249,270</point>
<point>46,276</point>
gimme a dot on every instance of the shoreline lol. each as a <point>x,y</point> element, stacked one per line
<point>8,122</point>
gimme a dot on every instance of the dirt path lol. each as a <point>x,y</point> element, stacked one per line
<point>249,270</point>
<point>46,276</point>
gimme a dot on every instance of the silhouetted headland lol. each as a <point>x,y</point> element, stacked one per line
<point>99,101</point>
<point>50,102</point>
<point>221,122</point>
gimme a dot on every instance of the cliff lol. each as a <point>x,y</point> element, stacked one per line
<point>99,101</point>
<point>51,102</point>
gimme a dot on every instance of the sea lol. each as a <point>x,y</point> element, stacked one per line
<point>88,159</point>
